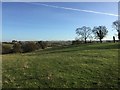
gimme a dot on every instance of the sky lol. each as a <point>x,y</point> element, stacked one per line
<point>55,20</point>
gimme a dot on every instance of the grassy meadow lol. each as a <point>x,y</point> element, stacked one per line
<point>74,66</point>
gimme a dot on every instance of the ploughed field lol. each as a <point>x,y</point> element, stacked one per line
<point>77,66</point>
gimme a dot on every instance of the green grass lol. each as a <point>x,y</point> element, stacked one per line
<point>77,66</point>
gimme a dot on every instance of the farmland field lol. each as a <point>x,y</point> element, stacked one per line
<point>74,66</point>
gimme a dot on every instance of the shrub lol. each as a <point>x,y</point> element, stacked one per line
<point>6,49</point>
<point>29,46</point>
<point>76,42</point>
<point>42,44</point>
<point>17,48</point>
<point>38,46</point>
<point>14,41</point>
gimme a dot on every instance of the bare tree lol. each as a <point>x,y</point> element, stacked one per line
<point>84,32</point>
<point>100,32</point>
<point>116,25</point>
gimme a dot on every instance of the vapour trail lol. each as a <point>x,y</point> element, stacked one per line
<point>73,9</point>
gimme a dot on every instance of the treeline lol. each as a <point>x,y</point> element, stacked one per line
<point>22,47</point>
<point>84,33</point>
<point>98,32</point>
<point>29,46</point>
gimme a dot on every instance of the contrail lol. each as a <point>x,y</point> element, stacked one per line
<point>73,9</point>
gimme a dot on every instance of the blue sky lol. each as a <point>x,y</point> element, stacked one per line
<point>34,21</point>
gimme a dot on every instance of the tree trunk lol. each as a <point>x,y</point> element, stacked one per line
<point>100,40</point>
<point>85,40</point>
<point>119,36</point>
<point>114,39</point>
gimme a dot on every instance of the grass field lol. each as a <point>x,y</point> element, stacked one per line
<point>75,66</point>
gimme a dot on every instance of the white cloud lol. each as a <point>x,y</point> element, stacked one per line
<point>80,10</point>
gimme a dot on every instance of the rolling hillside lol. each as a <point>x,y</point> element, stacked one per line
<point>75,66</point>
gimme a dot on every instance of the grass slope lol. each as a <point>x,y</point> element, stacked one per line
<point>83,66</point>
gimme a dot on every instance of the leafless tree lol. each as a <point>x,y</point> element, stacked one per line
<point>116,25</point>
<point>100,32</point>
<point>84,32</point>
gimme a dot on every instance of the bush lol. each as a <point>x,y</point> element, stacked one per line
<point>42,44</point>
<point>76,42</point>
<point>14,41</point>
<point>17,48</point>
<point>29,46</point>
<point>6,49</point>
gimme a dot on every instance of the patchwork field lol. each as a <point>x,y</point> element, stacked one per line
<point>75,66</point>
